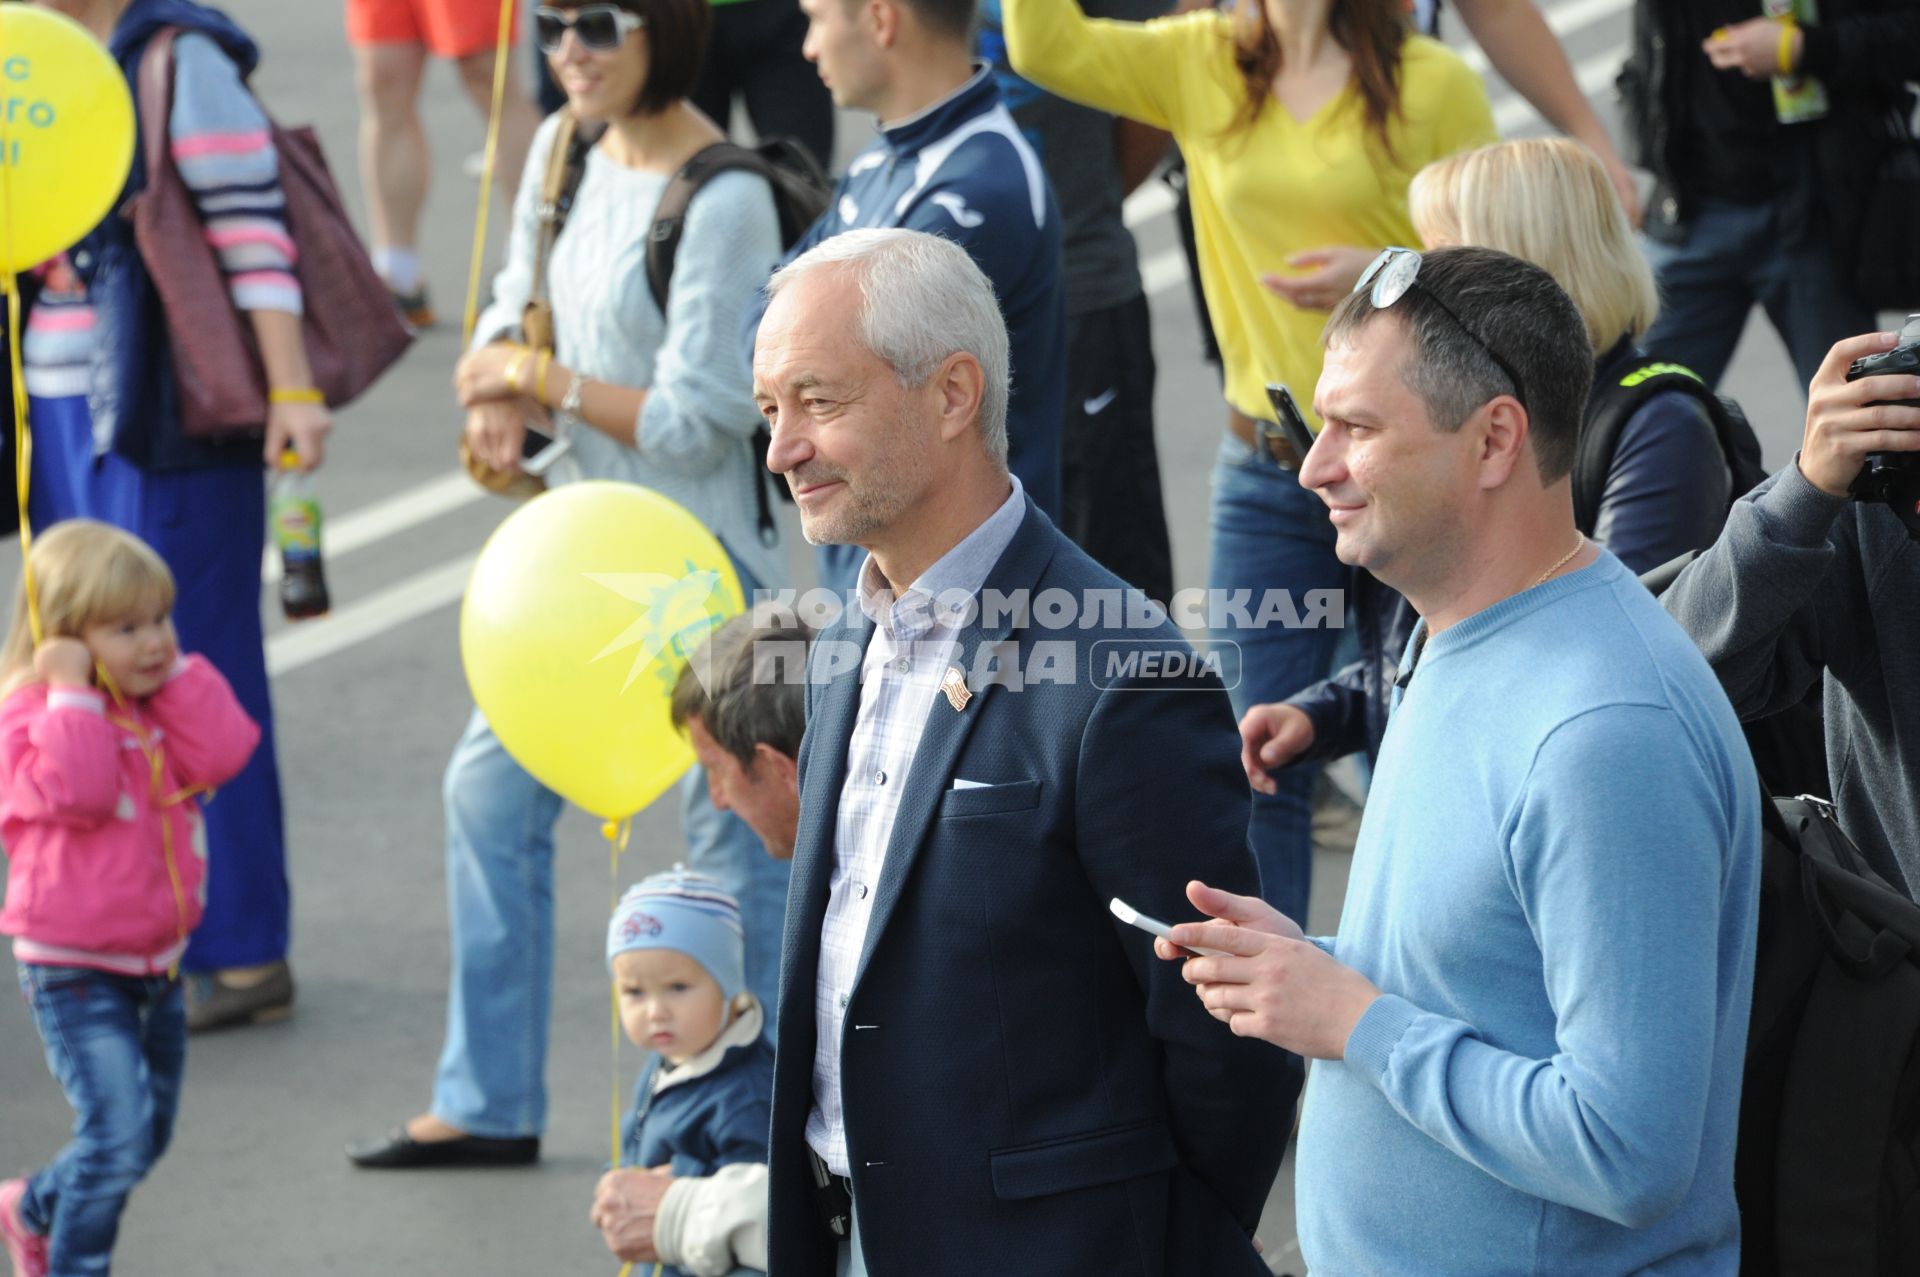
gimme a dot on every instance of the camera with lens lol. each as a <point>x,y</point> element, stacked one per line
<point>1892,477</point>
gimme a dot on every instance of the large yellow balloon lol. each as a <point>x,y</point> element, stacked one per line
<point>66,134</point>
<point>582,609</point>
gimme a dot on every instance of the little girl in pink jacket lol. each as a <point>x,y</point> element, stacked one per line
<point>109,739</point>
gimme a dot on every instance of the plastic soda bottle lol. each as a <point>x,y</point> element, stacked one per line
<point>293,510</point>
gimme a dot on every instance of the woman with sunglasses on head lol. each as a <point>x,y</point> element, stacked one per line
<point>1302,122</point>
<point>1550,201</point>
<point>634,394</point>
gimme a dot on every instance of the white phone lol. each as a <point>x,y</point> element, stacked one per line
<point>1134,918</point>
<point>539,450</point>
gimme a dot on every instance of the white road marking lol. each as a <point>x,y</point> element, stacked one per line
<point>1164,270</point>
<point>388,517</point>
<point>369,617</point>
<point>1153,199</point>
<point>1562,20</point>
<point>1514,113</point>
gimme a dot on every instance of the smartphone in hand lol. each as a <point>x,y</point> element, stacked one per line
<point>1153,926</point>
<point>539,450</point>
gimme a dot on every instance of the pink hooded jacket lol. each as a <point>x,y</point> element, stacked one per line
<point>94,878</point>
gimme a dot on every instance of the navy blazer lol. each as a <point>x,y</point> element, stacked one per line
<point>1027,1088</point>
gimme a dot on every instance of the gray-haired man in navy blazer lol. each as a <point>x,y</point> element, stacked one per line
<point>980,1070</point>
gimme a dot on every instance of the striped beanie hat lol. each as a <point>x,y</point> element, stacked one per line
<point>689,913</point>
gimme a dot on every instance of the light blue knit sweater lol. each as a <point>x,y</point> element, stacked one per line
<point>694,430</point>
<point>1556,888</point>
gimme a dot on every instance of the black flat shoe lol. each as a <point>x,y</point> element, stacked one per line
<point>400,1151</point>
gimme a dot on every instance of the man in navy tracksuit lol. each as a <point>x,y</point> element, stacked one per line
<point>950,161</point>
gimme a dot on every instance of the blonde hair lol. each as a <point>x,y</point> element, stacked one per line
<point>1547,200</point>
<point>87,573</point>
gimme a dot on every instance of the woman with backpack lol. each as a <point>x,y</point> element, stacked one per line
<point>636,393</point>
<point>109,444</point>
<point>1663,489</point>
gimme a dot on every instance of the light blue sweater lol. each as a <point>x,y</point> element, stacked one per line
<point>1555,887</point>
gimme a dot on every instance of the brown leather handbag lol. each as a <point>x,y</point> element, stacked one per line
<point>566,164</point>
<point>353,331</point>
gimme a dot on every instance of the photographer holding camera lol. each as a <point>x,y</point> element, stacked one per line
<point>1804,582</point>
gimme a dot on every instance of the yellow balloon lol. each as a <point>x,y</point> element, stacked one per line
<point>583,607</point>
<point>66,134</point>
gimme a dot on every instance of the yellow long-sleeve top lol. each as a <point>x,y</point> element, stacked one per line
<point>1259,194</point>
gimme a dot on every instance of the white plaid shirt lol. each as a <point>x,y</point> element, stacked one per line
<point>899,684</point>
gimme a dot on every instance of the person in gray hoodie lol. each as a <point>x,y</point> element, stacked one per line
<point>1804,584</point>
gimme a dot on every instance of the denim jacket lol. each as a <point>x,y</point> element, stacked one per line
<point>710,1111</point>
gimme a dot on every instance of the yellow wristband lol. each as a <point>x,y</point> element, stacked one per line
<point>295,394</point>
<point>540,366</point>
<point>513,371</point>
<point>1786,47</point>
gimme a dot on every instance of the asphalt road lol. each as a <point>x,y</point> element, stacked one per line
<point>370,702</point>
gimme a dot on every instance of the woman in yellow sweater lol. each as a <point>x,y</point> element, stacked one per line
<point>1302,122</point>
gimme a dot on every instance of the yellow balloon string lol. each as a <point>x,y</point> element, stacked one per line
<point>22,437</point>
<point>617,832</point>
<point>155,755</point>
<point>503,46</point>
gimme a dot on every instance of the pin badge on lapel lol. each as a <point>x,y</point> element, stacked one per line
<point>954,684</point>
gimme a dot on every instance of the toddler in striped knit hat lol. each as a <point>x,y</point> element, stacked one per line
<point>678,956</point>
<point>677,953</point>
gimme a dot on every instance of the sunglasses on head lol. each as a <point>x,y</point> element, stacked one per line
<point>1391,276</point>
<point>600,27</point>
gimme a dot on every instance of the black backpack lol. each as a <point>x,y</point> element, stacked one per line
<point>1608,409</point>
<point>1827,1169</point>
<point>800,192</point>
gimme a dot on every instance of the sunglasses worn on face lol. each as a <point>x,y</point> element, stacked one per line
<point>600,27</point>
<point>1392,276</point>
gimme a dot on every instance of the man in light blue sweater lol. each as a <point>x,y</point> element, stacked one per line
<point>1530,1027</point>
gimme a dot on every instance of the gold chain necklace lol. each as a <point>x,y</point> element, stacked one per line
<point>1564,560</point>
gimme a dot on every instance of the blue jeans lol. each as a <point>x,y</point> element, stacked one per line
<point>1733,258</point>
<point>118,1046</point>
<point>1269,533</point>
